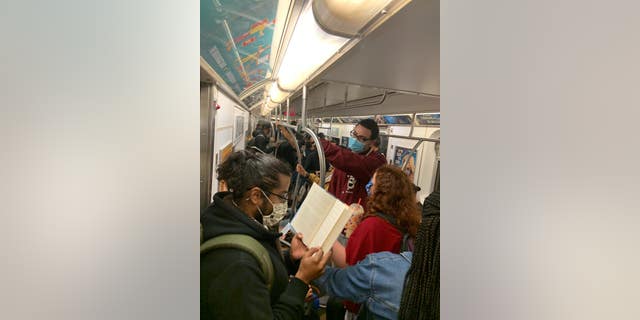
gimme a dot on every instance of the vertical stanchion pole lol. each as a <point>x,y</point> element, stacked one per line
<point>288,111</point>
<point>304,105</point>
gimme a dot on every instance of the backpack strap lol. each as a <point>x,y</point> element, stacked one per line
<point>407,241</point>
<point>247,244</point>
<point>389,219</point>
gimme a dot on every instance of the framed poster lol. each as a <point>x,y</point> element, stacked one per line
<point>428,119</point>
<point>335,132</point>
<point>344,141</point>
<point>239,128</point>
<point>405,159</point>
<point>398,119</point>
<point>384,143</point>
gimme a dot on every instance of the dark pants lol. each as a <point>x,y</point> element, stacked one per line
<point>335,309</point>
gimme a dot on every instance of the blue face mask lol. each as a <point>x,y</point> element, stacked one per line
<point>355,145</point>
<point>368,187</point>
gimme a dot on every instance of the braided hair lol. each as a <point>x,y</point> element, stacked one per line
<point>421,294</point>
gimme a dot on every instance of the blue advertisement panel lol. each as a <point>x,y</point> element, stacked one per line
<point>429,119</point>
<point>235,39</point>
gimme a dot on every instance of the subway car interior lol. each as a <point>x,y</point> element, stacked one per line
<point>319,67</point>
<point>324,65</point>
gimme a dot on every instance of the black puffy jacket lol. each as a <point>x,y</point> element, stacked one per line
<point>231,283</point>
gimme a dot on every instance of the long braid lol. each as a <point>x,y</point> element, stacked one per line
<point>421,294</point>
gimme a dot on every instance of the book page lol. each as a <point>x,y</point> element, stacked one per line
<point>312,212</point>
<point>322,238</point>
<point>321,218</point>
<point>336,228</point>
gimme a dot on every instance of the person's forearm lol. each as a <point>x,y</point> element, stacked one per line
<point>339,255</point>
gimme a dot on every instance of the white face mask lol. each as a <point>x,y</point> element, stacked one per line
<point>279,211</point>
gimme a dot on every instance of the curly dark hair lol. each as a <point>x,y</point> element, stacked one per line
<point>244,170</point>
<point>395,196</point>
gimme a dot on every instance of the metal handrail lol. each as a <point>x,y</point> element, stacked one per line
<point>415,147</point>
<point>296,188</point>
<point>321,158</point>
<point>412,138</point>
<point>323,163</point>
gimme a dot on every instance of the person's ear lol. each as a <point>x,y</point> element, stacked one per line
<point>255,196</point>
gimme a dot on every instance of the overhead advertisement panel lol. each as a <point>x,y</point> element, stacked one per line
<point>428,119</point>
<point>235,39</point>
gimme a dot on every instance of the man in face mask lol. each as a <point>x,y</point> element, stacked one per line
<point>355,167</point>
<point>278,209</point>
<point>231,280</point>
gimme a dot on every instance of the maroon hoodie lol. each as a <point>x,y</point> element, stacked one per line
<point>352,172</point>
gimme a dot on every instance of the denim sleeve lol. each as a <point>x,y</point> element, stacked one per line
<point>352,283</point>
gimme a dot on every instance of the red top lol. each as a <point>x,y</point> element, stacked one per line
<point>352,172</point>
<point>373,234</point>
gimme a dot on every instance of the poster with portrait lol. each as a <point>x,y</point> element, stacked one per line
<point>405,159</point>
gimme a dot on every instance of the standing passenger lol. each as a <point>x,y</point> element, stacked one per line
<point>231,280</point>
<point>390,214</point>
<point>405,285</point>
<point>261,137</point>
<point>354,168</point>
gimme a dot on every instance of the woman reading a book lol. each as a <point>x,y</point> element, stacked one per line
<point>233,282</point>
<point>391,213</point>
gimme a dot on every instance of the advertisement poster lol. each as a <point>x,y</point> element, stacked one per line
<point>235,39</point>
<point>344,142</point>
<point>335,132</point>
<point>384,143</point>
<point>239,129</point>
<point>428,119</point>
<point>405,159</point>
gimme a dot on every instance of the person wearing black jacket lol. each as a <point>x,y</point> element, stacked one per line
<point>231,281</point>
<point>261,137</point>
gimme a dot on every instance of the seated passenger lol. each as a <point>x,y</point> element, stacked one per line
<point>392,286</point>
<point>232,283</point>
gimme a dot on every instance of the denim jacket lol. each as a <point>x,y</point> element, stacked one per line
<point>376,281</point>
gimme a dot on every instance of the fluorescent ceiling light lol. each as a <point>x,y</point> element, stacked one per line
<point>276,95</point>
<point>347,18</point>
<point>309,48</point>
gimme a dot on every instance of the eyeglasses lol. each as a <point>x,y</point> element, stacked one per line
<point>284,197</point>
<point>360,138</point>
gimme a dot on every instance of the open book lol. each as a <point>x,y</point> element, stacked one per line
<point>321,218</point>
